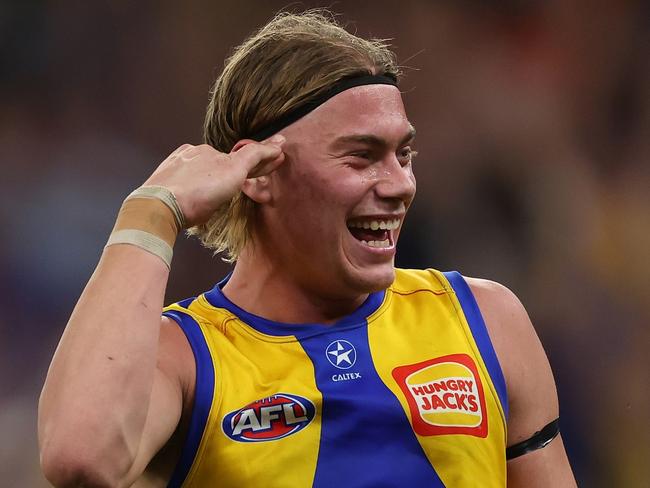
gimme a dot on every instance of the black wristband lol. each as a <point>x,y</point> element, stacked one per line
<point>538,440</point>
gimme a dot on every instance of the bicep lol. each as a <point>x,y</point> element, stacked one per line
<point>532,396</point>
<point>171,388</point>
<point>533,405</point>
<point>532,393</point>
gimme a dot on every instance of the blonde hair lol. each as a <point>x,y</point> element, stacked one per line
<point>291,60</point>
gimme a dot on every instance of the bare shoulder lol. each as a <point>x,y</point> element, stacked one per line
<point>531,387</point>
<point>506,318</point>
<point>175,357</point>
<point>532,395</point>
<point>498,302</point>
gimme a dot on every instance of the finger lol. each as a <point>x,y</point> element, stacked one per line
<point>277,139</point>
<point>250,154</point>
<point>266,167</point>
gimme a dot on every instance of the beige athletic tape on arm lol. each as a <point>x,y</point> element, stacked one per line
<point>164,195</point>
<point>149,242</point>
<point>150,219</point>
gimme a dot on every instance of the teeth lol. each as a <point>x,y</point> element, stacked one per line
<point>385,243</point>
<point>376,224</point>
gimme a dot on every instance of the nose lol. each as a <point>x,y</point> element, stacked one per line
<point>397,181</point>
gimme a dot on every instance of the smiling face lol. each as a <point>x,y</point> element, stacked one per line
<point>339,200</point>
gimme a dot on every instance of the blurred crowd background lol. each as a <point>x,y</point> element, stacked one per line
<point>533,121</point>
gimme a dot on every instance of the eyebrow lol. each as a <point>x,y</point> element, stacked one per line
<point>371,139</point>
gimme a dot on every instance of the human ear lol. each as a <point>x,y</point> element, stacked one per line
<point>257,189</point>
<point>258,184</point>
<point>254,188</point>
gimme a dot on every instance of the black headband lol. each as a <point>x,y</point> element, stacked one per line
<point>302,110</point>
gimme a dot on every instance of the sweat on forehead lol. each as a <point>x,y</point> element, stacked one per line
<point>371,115</point>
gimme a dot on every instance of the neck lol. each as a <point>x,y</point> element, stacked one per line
<point>265,288</point>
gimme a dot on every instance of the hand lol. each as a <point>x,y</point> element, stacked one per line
<point>202,178</point>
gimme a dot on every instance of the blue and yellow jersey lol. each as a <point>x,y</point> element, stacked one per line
<point>405,392</point>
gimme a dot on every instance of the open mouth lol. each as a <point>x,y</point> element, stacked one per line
<point>374,232</point>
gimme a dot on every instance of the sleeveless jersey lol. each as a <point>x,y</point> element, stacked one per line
<point>405,392</point>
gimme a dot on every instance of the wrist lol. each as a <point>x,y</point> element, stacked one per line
<point>150,219</point>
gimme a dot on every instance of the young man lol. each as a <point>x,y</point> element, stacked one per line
<point>316,362</point>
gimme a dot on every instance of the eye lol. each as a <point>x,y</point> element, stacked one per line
<point>406,154</point>
<point>361,158</point>
<point>361,154</point>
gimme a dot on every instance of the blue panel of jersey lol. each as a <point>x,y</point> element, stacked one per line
<point>480,333</point>
<point>362,420</point>
<point>202,396</point>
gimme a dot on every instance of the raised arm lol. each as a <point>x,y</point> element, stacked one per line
<point>532,394</point>
<point>121,377</point>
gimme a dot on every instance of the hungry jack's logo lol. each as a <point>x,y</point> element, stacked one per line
<point>445,396</point>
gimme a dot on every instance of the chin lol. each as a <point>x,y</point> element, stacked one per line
<point>372,280</point>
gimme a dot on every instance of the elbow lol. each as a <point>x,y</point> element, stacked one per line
<point>67,468</point>
<point>74,454</point>
<point>67,473</point>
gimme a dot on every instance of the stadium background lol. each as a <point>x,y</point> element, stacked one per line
<point>534,141</point>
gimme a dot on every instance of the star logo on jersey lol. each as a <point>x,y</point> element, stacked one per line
<point>341,354</point>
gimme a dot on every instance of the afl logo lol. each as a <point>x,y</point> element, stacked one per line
<point>269,419</point>
<point>341,354</point>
